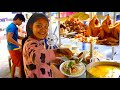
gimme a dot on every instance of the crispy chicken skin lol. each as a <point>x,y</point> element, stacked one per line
<point>108,30</point>
<point>94,26</point>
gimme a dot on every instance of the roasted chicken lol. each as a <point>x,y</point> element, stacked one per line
<point>107,33</point>
<point>94,26</point>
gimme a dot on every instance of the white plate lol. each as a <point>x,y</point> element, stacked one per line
<point>81,64</point>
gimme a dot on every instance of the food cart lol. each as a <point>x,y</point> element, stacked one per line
<point>72,34</point>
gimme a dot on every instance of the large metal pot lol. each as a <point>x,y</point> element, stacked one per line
<point>93,64</point>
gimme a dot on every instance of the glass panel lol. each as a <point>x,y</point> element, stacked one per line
<point>54,25</point>
<point>101,51</point>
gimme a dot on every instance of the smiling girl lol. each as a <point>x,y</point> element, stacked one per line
<point>36,58</point>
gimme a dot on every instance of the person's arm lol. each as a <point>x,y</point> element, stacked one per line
<point>11,40</point>
<point>20,37</point>
<point>63,52</point>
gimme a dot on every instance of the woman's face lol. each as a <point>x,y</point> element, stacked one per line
<point>40,28</point>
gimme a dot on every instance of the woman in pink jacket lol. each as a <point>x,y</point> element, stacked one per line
<point>37,59</point>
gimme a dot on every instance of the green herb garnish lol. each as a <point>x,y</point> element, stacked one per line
<point>70,64</point>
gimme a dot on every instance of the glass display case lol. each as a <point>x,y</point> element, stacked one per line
<point>53,38</point>
<point>108,52</point>
<point>73,30</point>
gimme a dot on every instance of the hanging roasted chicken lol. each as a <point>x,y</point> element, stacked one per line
<point>94,26</point>
<point>108,33</point>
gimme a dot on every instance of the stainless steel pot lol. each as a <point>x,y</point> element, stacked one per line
<point>93,64</point>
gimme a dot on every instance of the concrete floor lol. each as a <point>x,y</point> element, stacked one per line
<point>4,65</point>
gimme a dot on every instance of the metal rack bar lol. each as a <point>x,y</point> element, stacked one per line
<point>91,50</point>
<point>112,53</point>
<point>59,29</point>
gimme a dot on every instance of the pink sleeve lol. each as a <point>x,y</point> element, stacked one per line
<point>37,53</point>
<point>52,55</point>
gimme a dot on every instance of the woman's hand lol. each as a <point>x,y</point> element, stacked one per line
<point>63,52</point>
<point>57,62</point>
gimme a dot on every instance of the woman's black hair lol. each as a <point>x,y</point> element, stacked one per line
<point>33,19</point>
